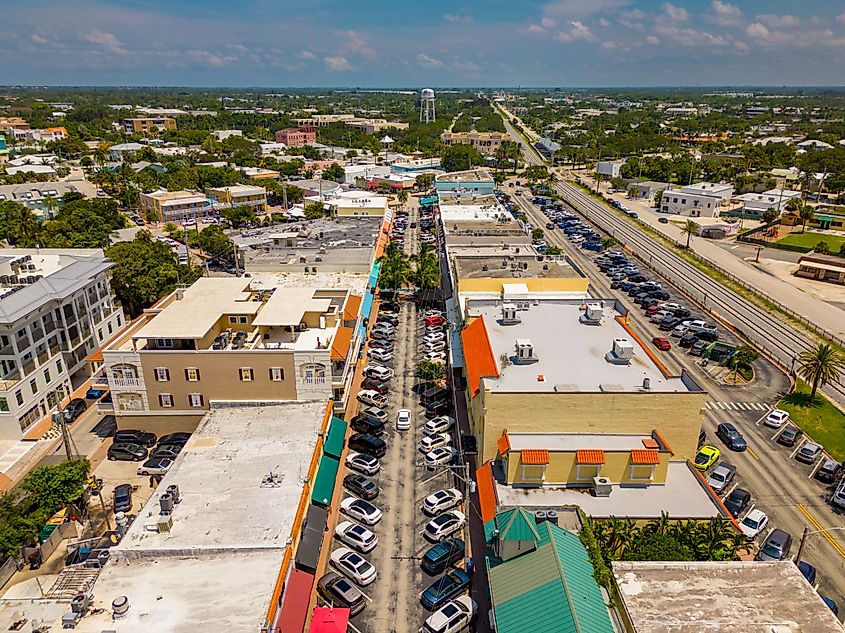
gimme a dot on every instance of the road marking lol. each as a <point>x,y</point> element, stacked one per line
<point>839,549</point>
<point>720,405</point>
<point>707,404</point>
<point>731,489</point>
<point>760,406</point>
<point>819,463</point>
<point>753,454</point>
<point>797,448</point>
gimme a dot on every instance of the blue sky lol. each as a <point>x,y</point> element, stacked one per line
<point>376,43</point>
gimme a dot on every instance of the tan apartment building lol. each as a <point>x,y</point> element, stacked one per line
<point>250,196</point>
<point>176,206</point>
<point>229,340</point>
<point>144,125</point>
<point>485,142</point>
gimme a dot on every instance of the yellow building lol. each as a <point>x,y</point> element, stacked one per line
<point>250,196</point>
<point>175,206</point>
<point>487,143</point>
<point>566,366</point>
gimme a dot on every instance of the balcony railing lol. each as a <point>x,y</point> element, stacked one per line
<point>105,407</point>
<point>316,380</point>
<point>125,382</point>
<point>50,326</point>
<point>100,380</point>
<point>28,368</point>
<point>10,381</point>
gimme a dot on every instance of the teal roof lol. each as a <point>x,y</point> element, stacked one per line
<point>333,444</point>
<point>321,493</point>
<point>549,590</point>
<point>515,524</point>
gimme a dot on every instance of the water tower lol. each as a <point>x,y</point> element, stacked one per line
<point>427,106</point>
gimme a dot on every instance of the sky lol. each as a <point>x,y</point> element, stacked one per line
<point>377,43</point>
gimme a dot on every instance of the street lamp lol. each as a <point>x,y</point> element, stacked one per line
<point>808,533</point>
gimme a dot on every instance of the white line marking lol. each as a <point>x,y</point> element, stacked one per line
<point>720,405</point>
<point>707,404</point>
<point>797,448</point>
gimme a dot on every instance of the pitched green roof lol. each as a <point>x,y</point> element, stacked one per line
<point>333,444</point>
<point>549,590</point>
<point>515,524</point>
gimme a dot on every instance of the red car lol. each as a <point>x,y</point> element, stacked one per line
<point>661,343</point>
<point>652,310</point>
<point>435,320</point>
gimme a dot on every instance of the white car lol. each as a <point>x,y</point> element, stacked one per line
<point>437,346</point>
<point>403,420</point>
<point>671,307</point>
<point>380,355</point>
<point>155,466</point>
<point>374,412</point>
<point>356,536</point>
<point>441,501</point>
<point>440,456</point>
<point>435,357</point>
<point>444,525</point>
<point>776,418</point>
<point>353,566</point>
<point>371,397</point>
<point>753,523</point>
<point>434,337</point>
<point>430,442</point>
<point>432,312</point>
<point>658,316</point>
<point>362,510</point>
<point>363,463</point>
<point>440,424</point>
<point>679,331</point>
<point>452,617</point>
<point>378,372</point>
<point>384,326</point>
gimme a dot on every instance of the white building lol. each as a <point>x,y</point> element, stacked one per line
<point>222,135</point>
<point>56,307</point>
<point>610,168</point>
<point>756,203</point>
<point>701,200</point>
<point>272,148</point>
<point>124,151</point>
<point>352,173</point>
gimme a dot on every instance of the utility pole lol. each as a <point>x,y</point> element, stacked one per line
<point>59,418</point>
<point>801,544</point>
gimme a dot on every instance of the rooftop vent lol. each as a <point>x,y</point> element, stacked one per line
<point>509,314</point>
<point>592,315</point>
<point>525,352</point>
<point>602,486</point>
<point>621,353</point>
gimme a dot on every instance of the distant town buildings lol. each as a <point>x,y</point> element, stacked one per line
<point>296,136</point>
<point>176,206</point>
<point>703,199</point>
<point>250,196</point>
<point>145,125</point>
<point>486,143</point>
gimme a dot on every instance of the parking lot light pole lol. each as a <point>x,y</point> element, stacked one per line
<point>469,483</point>
<point>807,533</point>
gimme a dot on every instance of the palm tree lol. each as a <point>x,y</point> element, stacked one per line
<point>821,365</point>
<point>770,215</point>
<point>51,205</point>
<point>689,229</point>
<point>426,269</point>
<point>608,242</point>
<point>395,270</point>
<point>806,213</point>
<point>659,526</point>
<point>23,226</point>
<point>402,196</point>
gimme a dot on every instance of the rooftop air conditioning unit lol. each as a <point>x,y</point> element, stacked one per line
<point>602,486</point>
<point>509,314</point>
<point>164,523</point>
<point>525,351</point>
<point>621,353</point>
<point>593,313</point>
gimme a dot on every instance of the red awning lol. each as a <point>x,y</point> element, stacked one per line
<point>329,620</point>
<point>295,602</point>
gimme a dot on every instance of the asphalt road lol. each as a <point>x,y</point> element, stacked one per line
<point>781,486</point>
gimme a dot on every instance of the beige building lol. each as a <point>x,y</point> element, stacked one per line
<point>230,340</point>
<point>144,125</point>
<point>485,142</point>
<point>176,206</point>
<point>250,196</point>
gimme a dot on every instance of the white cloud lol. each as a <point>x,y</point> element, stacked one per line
<point>535,28</point>
<point>454,17</point>
<point>675,14</point>
<point>466,66</point>
<point>338,63</point>
<point>576,31</point>
<point>725,14</point>
<point>307,55</point>
<point>603,23</point>
<point>207,58</point>
<point>757,30</point>
<point>108,41</point>
<point>428,62</point>
<point>570,9</point>
<point>652,39</point>
<point>357,44</point>
<point>38,39</point>
<point>841,17</point>
<point>777,21</point>
<point>632,19</point>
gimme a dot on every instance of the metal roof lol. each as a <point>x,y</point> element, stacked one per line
<point>333,445</point>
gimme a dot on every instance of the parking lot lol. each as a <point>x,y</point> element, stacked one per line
<point>783,488</point>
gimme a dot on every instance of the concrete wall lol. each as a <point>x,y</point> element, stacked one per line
<point>675,416</point>
<point>159,424</point>
<point>562,469</point>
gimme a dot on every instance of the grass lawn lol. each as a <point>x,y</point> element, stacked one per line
<point>819,419</point>
<point>810,239</point>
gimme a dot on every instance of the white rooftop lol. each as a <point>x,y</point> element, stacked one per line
<point>715,597</point>
<point>576,441</point>
<point>570,355</point>
<point>286,307</point>
<point>492,212</point>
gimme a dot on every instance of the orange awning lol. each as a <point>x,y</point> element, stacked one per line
<point>478,354</point>
<point>535,456</point>
<point>589,456</point>
<point>486,491</point>
<point>352,308</point>
<point>645,456</point>
<point>340,343</point>
<point>504,443</point>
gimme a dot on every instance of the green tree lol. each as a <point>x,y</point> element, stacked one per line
<point>333,172</point>
<point>430,370</point>
<point>822,248</point>
<point>820,365</point>
<point>424,181</point>
<point>396,271</point>
<point>216,244</point>
<point>537,234</point>
<point>239,216</point>
<point>426,268</point>
<point>315,210</point>
<point>460,158</point>
<point>51,204</point>
<point>52,487</point>
<point>554,250</point>
<point>18,224</point>
<point>145,270</point>
<point>608,242</point>
<point>689,229</point>
<point>657,547</point>
<point>658,198</point>
<point>770,215</point>
<point>83,224</point>
<point>402,196</point>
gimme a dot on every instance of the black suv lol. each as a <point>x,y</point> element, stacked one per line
<point>123,498</point>
<point>175,438</point>
<point>366,443</point>
<point>367,424</point>
<point>74,409</point>
<point>135,437</point>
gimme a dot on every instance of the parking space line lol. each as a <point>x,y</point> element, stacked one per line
<point>720,405</point>
<point>797,448</point>
<point>819,463</point>
<point>815,523</point>
<point>731,489</point>
<point>753,454</point>
<point>775,436</point>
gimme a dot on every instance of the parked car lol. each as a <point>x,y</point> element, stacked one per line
<point>429,442</point>
<point>440,424</point>
<point>169,451</point>
<point>776,418</point>
<point>156,466</point>
<point>789,436</point>
<point>122,497</point>
<point>776,546</point>
<point>379,372</point>
<point>729,434</point>
<point>444,589</point>
<point>437,346</point>
<point>127,452</point>
<point>372,398</point>
<point>699,347</point>
<point>687,340</point>
<point>403,420</point>
<point>808,571</point>
<point>661,343</point>
<point>379,355</point>
<point>452,617</point>
<point>753,523</point>
<point>364,511</point>
<point>808,453</point>
<point>706,457</point>
<point>374,412</point>
<point>435,356</point>
<point>338,591</point>
<point>837,497</point>
<point>444,525</point>
<point>174,438</point>
<point>737,501</point>
<point>371,384</point>
<point>435,320</point>
<point>441,501</point>
<point>829,471</point>
<point>663,220</point>
<point>361,486</point>
<point>721,477</point>
<point>134,437</point>
<point>74,409</point>
<point>366,443</point>
<point>94,393</point>
<point>433,337</point>
<point>440,456</point>
<point>365,424</point>
<point>441,556</point>
<point>363,463</point>
<point>438,407</point>
<point>354,566</point>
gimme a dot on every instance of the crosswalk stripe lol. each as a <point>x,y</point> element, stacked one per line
<point>707,404</point>
<point>720,405</point>
<point>745,406</point>
<point>760,406</point>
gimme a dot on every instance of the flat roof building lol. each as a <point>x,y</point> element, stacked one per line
<point>145,125</point>
<point>176,206</point>
<point>354,204</point>
<point>486,143</point>
<point>472,182</point>
<point>703,199</point>
<point>250,196</point>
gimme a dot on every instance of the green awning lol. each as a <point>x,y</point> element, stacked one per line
<point>333,444</point>
<point>825,218</point>
<point>321,493</point>
<point>425,202</point>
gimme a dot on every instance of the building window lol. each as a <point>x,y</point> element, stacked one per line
<point>118,321</point>
<point>162,374</point>
<point>195,399</point>
<point>164,343</point>
<point>33,386</point>
<point>19,397</point>
<point>59,366</point>
<point>192,374</point>
<point>165,400</point>
<point>245,373</point>
<point>4,405</point>
<point>110,328</point>
<point>642,472</point>
<point>47,376</point>
<point>277,374</point>
<point>586,472</point>
<point>243,320</point>
<point>315,374</point>
<point>533,472</point>
<point>99,334</point>
<point>233,320</point>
